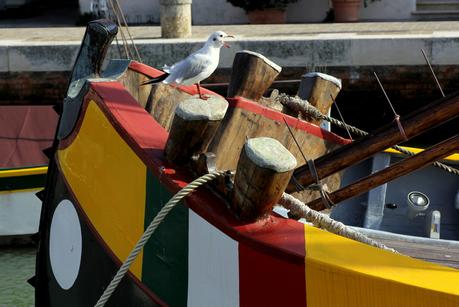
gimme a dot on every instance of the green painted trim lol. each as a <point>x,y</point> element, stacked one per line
<point>165,257</point>
<point>22,182</point>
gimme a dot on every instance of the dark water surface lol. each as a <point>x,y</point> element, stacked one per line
<point>17,265</point>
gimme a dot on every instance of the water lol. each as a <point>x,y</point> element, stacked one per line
<point>17,265</point>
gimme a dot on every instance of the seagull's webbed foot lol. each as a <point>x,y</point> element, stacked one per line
<point>204,97</point>
<point>201,96</point>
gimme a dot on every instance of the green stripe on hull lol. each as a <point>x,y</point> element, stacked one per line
<point>22,182</point>
<point>165,257</point>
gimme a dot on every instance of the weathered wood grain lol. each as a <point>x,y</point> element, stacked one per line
<point>251,76</point>
<point>162,102</point>
<point>318,89</point>
<point>194,125</point>
<point>263,172</point>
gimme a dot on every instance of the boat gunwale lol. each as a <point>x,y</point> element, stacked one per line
<point>174,179</point>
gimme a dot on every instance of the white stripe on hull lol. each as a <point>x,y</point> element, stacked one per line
<point>19,213</point>
<point>213,265</point>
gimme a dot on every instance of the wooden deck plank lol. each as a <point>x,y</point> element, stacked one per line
<point>432,253</point>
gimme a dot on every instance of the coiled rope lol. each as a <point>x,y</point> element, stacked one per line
<point>298,210</point>
<point>303,106</point>
<point>151,229</point>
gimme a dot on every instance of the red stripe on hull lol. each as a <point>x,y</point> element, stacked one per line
<point>265,280</point>
<point>243,103</point>
<point>153,73</point>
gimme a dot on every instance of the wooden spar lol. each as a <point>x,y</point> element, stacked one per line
<point>392,172</point>
<point>252,75</point>
<point>423,119</point>
<point>193,127</point>
<point>264,170</point>
<point>319,90</point>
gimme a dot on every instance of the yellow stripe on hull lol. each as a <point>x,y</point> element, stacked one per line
<point>453,157</point>
<point>108,179</point>
<point>342,272</point>
<point>23,171</point>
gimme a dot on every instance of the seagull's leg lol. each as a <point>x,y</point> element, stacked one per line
<point>203,97</point>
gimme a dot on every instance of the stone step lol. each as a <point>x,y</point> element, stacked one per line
<point>436,14</point>
<point>440,5</point>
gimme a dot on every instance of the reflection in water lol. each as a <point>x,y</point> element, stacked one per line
<point>17,265</point>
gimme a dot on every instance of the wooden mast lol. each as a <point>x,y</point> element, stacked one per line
<point>425,118</point>
<point>392,172</point>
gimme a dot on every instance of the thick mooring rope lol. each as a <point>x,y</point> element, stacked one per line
<point>299,209</point>
<point>151,229</point>
<point>303,106</point>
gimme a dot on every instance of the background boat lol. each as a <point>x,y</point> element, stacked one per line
<point>25,132</point>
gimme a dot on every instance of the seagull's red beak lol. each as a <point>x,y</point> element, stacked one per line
<point>225,44</point>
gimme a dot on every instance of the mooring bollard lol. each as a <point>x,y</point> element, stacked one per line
<point>175,18</point>
<point>263,172</point>
<point>252,75</point>
<point>316,88</point>
<point>193,127</point>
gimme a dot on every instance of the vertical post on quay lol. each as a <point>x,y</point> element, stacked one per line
<point>175,18</point>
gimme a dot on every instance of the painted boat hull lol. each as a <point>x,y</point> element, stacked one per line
<point>109,178</point>
<point>19,206</point>
<point>25,132</point>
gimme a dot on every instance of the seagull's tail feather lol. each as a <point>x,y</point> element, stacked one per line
<point>156,80</point>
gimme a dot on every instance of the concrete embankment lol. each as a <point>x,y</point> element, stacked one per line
<point>35,63</point>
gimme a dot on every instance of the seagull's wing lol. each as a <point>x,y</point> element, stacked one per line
<point>189,68</point>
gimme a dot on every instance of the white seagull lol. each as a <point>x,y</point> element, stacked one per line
<point>197,66</point>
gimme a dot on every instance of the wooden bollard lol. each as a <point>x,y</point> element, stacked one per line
<point>316,88</point>
<point>252,75</point>
<point>263,172</point>
<point>193,127</point>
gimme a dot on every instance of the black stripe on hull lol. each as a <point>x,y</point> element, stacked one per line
<point>22,182</point>
<point>97,266</point>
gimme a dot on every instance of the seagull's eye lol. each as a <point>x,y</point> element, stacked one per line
<point>221,35</point>
<point>214,39</point>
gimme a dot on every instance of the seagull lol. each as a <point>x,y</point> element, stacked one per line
<point>197,66</point>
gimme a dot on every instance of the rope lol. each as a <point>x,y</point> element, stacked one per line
<point>128,32</point>
<point>300,210</point>
<point>118,22</point>
<point>321,187</point>
<point>304,107</point>
<point>150,230</point>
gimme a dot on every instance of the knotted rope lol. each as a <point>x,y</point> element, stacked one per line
<point>304,107</point>
<point>322,188</point>
<point>151,229</point>
<point>300,210</point>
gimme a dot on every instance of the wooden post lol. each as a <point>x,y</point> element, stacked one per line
<point>316,88</point>
<point>392,172</point>
<point>423,119</point>
<point>175,18</point>
<point>264,169</point>
<point>252,75</point>
<point>194,125</point>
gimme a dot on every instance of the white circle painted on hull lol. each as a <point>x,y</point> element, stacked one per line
<point>65,244</point>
